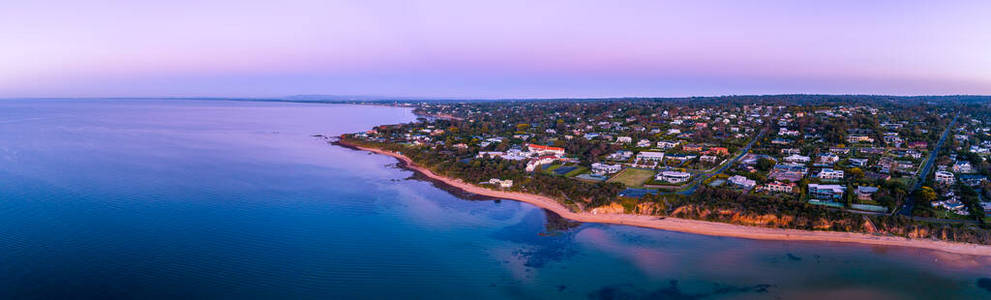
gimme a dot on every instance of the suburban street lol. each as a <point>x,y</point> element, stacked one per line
<point>906,209</point>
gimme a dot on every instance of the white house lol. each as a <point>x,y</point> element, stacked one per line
<point>779,187</point>
<point>785,131</point>
<point>624,140</point>
<point>650,156</point>
<point>666,144</point>
<point>828,173</point>
<point>962,166</point>
<point>508,183</point>
<point>797,158</point>
<point>620,155</point>
<point>674,176</point>
<point>643,143</point>
<point>601,168</point>
<point>944,177</point>
<point>742,182</point>
<point>536,162</point>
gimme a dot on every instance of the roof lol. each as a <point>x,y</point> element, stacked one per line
<point>547,148</point>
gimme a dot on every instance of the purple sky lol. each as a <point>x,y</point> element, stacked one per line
<point>248,48</point>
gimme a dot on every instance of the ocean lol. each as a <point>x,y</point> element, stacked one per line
<point>201,199</point>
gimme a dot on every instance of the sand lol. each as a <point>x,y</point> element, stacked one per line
<point>700,227</point>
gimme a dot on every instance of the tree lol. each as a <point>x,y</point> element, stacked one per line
<point>927,194</point>
<point>856,173</point>
<point>765,164</point>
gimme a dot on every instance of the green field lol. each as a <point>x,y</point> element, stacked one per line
<point>632,177</point>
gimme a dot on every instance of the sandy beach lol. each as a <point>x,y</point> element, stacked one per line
<point>699,227</point>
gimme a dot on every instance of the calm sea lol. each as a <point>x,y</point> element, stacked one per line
<point>220,199</point>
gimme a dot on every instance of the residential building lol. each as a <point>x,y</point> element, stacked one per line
<point>858,162</point>
<point>944,177</point>
<point>962,166</point>
<point>830,174</point>
<point>674,176</point>
<point>666,144</point>
<point>501,183</point>
<point>864,193</point>
<point>545,150</point>
<point>826,191</point>
<point>795,158</point>
<point>718,151</point>
<point>650,156</point>
<point>779,187</point>
<point>742,182</point>
<point>827,159</point>
<point>601,168</point>
<point>859,138</point>
<point>621,155</point>
<point>536,162</point>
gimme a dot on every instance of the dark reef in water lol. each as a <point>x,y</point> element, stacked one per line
<point>984,283</point>
<point>672,291</point>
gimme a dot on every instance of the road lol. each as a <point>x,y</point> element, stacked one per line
<point>701,178</point>
<point>906,208</point>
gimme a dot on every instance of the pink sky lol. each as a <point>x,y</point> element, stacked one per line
<point>496,49</point>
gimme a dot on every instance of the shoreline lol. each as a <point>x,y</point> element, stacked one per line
<point>694,226</point>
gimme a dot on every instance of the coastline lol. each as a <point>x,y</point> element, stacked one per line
<point>694,226</point>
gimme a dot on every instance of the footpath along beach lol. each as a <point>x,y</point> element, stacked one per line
<point>694,226</point>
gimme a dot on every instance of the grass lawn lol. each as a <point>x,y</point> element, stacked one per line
<point>632,177</point>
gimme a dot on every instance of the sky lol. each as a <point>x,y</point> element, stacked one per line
<point>492,49</point>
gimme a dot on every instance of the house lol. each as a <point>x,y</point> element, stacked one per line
<point>601,168</point>
<point>501,183</point>
<point>842,151</point>
<point>962,166</point>
<point>858,162</point>
<point>674,176</point>
<point>827,159</point>
<point>666,144</point>
<point>691,148</point>
<point>972,179</point>
<point>650,156</point>
<point>545,150</point>
<point>485,154</point>
<point>644,143</point>
<point>826,191</point>
<point>780,141</point>
<point>795,158</point>
<point>791,151</point>
<point>624,140</point>
<point>864,193</point>
<point>828,173</point>
<point>779,187</point>
<point>536,162</point>
<point>718,151</point>
<point>708,158</point>
<point>944,177</point>
<point>621,155</point>
<point>751,159</point>
<point>742,182</point>
<point>918,145</point>
<point>859,138</point>
<point>785,131</point>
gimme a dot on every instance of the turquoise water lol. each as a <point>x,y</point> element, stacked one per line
<point>219,199</point>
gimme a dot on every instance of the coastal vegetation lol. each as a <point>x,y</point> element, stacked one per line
<point>831,163</point>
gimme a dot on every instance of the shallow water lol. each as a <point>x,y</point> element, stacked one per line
<point>208,199</point>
